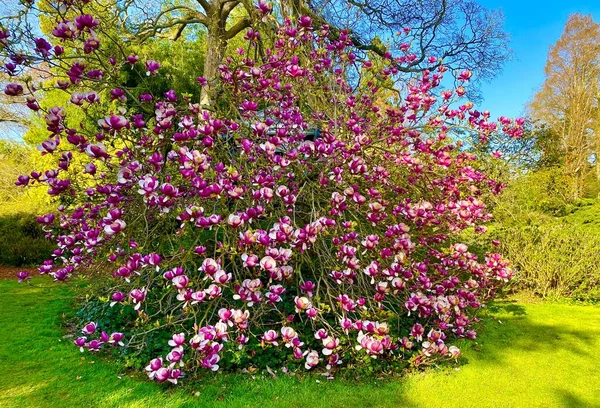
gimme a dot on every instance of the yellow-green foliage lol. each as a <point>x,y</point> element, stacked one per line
<point>17,159</point>
<point>553,242</point>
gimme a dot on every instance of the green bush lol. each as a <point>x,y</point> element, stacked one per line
<point>22,241</point>
<point>554,258</point>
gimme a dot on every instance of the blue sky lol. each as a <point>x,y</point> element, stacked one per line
<point>533,25</point>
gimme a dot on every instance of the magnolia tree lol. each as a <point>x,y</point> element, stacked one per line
<point>302,218</point>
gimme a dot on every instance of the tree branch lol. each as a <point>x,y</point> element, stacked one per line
<point>239,26</point>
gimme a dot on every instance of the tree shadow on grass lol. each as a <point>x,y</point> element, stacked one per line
<point>99,386</point>
<point>510,327</point>
<point>570,400</point>
<point>507,306</point>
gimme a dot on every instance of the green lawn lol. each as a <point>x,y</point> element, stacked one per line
<point>536,355</point>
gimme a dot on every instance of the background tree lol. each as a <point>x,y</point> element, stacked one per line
<point>568,99</point>
<point>462,34</point>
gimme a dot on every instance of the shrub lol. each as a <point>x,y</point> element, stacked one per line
<point>247,244</point>
<point>22,241</point>
<point>555,259</point>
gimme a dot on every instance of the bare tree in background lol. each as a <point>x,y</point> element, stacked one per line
<point>460,33</point>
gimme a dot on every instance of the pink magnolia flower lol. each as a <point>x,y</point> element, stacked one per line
<point>175,356</point>
<point>268,263</point>
<point>138,296</point>
<point>312,359</point>
<point>270,336</point>
<point>114,123</point>
<point>250,261</point>
<point>180,282</point>
<point>116,338</point>
<point>89,328</point>
<point>302,303</point>
<point>13,90</point>
<point>330,344</point>
<point>152,67</point>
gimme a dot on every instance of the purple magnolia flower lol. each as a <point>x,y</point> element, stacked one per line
<point>89,328</point>
<point>91,44</point>
<point>94,345</point>
<point>64,30</point>
<point>175,375</point>
<point>42,47</point>
<point>308,287</point>
<point>23,276</point>
<point>116,338</point>
<point>157,371</point>
<point>117,93</point>
<point>11,68</point>
<point>97,151</point>
<point>149,184</point>
<point>152,67</point>
<point>22,180</point>
<point>13,90</point>
<point>264,8</point>
<point>81,343</point>
<point>211,361</point>
<point>49,146</point>
<point>171,95</point>
<point>305,22</point>
<point>95,74</point>
<point>138,121</point>
<point>4,35</point>
<point>90,168</point>
<point>132,59</point>
<point>85,21</point>
<point>117,297</point>
<point>175,356</point>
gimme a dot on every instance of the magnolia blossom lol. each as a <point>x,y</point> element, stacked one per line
<point>115,227</point>
<point>23,276</point>
<point>89,328</point>
<point>312,359</point>
<point>138,296</point>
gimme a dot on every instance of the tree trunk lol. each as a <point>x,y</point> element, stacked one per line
<point>216,45</point>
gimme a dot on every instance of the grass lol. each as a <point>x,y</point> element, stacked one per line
<point>530,354</point>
